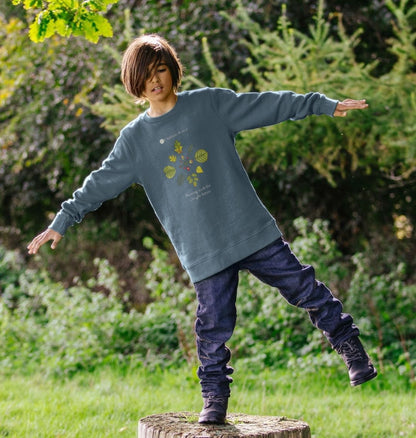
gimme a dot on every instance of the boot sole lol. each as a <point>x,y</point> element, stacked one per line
<point>364,379</point>
<point>211,421</point>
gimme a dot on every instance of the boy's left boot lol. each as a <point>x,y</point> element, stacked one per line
<point>360,368</point>
<point>214,411</point>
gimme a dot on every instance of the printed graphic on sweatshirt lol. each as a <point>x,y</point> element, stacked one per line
<point>186,164</point>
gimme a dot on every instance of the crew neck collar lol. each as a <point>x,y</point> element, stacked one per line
<point>167,115</point>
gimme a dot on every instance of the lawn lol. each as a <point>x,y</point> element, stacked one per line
<point>109,403</point>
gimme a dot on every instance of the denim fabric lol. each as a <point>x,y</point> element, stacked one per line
<point>277,266</point>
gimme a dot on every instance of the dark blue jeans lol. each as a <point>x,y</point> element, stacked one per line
<point>277,266</point>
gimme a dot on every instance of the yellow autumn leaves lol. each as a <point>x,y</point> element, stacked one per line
<point>187,167</point>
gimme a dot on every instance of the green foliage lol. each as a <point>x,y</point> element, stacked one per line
<point>314,245</point>
<point>385,307</point>
<point>68,17</point>
<point>44,126</point>
<point>173,299</point>
<point>316,60</point>
<point>58,120</point>
<point>116,108</point>
<point>403,43</point>
<point>12,72</point>
<point>63,330</point>
<point>61,104</point>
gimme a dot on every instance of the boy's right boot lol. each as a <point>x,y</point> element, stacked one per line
<point>360,368</point>
<point>214,411</point>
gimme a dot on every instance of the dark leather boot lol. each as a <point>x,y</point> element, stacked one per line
<point>360,368</point>
<point>214,411</point>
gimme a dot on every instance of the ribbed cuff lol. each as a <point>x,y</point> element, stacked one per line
<point>328,106</point>
<point>61,223</point>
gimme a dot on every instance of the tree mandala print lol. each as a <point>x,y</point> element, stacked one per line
<point>185,164</point>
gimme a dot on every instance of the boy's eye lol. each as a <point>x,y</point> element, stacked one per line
<point>161,70</point>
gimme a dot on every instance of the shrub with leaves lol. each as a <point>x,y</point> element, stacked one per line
<point>62,330</point>
<point>384,306</point>
<point>66,18</point>
<point>58,330</point>
<point>174,299</point>
<point>317,60</point>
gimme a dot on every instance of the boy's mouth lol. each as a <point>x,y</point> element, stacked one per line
<point>157,89</point>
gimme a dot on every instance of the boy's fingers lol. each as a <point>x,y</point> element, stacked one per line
<point>34,245</point>
<point>55,242</point>
<point>353,104</point>
<point>348,105</point>
<point>42,238</point>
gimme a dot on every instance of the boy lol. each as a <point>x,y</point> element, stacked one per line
<point>182,151</point>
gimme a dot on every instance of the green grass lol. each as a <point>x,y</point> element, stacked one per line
<point>110,403</point>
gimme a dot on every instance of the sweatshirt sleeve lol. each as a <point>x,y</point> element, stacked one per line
<point>115,175</point>
<point>244,111</point>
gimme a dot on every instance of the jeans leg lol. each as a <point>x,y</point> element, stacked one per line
<point>277,266</point>
<point>215,323</point>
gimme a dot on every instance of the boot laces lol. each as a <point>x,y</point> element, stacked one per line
<point>351,352</point>
<point>212,401</point>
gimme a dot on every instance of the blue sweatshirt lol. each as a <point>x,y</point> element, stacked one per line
<point>188,165</point>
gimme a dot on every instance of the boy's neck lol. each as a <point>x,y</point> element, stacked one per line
<point>159,108</point>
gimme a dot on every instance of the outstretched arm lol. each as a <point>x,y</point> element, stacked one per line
<point>42,238</point>
<point>349,104</point>
<point>117,172</point>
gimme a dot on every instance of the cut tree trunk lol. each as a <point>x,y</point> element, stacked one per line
<point>185,425</point>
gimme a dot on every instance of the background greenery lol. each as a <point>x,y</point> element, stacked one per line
<point>61,331</point>
<point>114,293</point>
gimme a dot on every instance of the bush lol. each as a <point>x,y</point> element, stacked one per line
<point>62,330</point>
<point>384,306</point>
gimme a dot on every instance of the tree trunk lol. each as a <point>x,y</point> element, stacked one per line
<point>185,425</point>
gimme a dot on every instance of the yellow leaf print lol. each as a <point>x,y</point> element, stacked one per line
<point>193,179</point>
<point>186,165</point>
<point>178,147</point>
<point>201,155</point>
<point>169,172</point>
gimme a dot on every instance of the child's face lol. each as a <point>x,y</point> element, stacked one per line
<point>158,87</point>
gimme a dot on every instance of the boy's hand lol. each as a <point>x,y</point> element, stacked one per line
<point>349,104</point>
<point>42,238</point>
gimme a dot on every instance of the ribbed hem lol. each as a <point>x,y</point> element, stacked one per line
<point>230,255</point>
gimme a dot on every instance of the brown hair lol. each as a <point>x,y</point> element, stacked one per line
<point>144,52</point>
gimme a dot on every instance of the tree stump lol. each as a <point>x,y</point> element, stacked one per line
<point>185,425</point>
